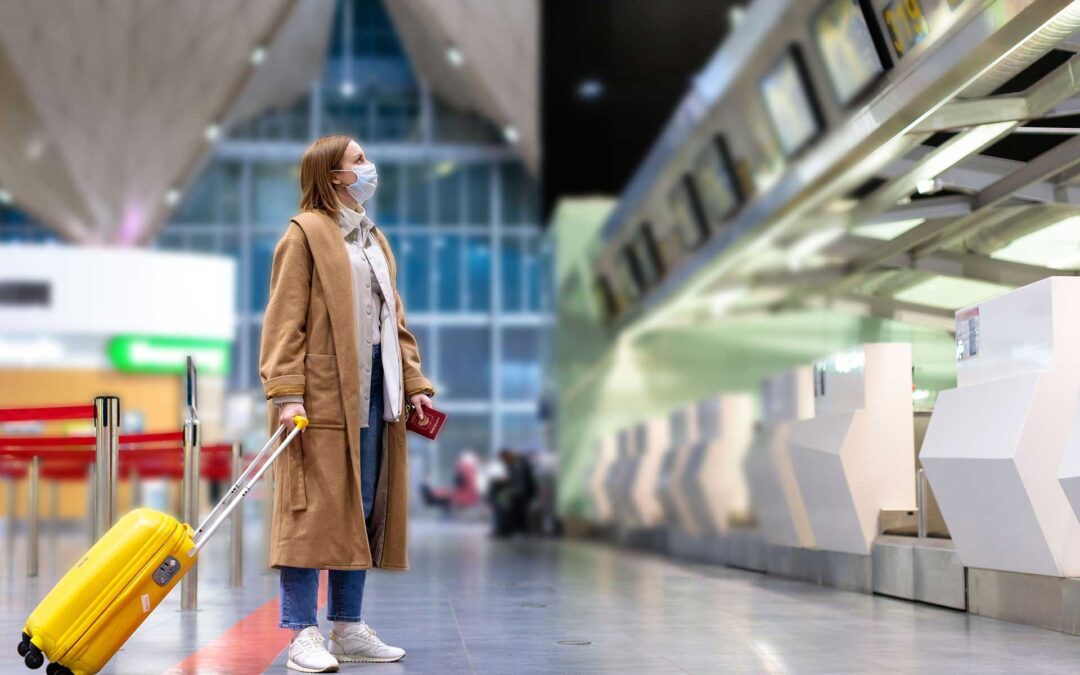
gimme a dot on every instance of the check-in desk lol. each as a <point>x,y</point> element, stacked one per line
<point>775,495</point>
<point>856,456</point>
<point>677,515</point>
<point>997,444</point>
<point>712,479</point>
<point>650,439</point>
<point>603,509</point>
<point>617,484</point>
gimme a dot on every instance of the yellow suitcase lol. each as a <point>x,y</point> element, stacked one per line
<point>104,598</point>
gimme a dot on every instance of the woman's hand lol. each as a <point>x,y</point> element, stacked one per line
<point>419,401</point>
<point>287,412</point>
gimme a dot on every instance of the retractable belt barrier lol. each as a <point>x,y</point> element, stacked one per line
<point>109,455</point>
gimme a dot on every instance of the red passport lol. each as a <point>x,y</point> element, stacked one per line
<point>428,427</point>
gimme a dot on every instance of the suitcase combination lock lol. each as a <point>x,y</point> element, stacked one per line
<point>166,571</point>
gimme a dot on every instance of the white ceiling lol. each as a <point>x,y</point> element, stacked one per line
<point>499,75</point>
<point>106,103</point>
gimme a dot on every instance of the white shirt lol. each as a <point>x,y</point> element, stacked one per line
<point>359,242</point>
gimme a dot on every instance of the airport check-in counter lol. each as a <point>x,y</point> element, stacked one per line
<point>775,495</point>
<point>603,509</point>
<point>856,456</point>
<point>650,439</point>
<point>616,483</point>
<point>677,514</point>
<point>996,445</point>
<point>712,479</point>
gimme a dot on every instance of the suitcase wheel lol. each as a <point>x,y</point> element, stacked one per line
<point>57,669</point>
<point>34,658</point>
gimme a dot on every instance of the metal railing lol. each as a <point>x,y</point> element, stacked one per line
<point>24,456</point>
<point>189,490</point>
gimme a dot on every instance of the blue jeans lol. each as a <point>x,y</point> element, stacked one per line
<point>300,586</point>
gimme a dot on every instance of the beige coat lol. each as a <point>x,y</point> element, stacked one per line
<point>309,347</point>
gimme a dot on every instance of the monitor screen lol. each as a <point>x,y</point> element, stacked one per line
<point>605,298</point>
<point>685,214</point>
<point>847,48</point>
<point>647,255</point>
<point>789,105</point>
<point>716,183</point>
<point>627,277</point>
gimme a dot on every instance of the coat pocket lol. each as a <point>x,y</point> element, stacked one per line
<point>295,480</point>
<point>322,392</point>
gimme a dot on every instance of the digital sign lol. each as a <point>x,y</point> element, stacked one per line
<point>688,223</point>
<point>789,104</point>
<point>168,355</point>
<point>847,49</point>
<point>907,24</point>
<point>715,179</point>
<point>627,277</point>
<point>645,252</point>
<point>605,298</point>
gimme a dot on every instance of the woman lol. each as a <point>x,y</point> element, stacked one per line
<point>336,349</point>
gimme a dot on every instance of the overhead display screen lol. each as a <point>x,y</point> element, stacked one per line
<point>629,286</point>
<point>687,221</point>
<point>789,105</point>
<point>847,49</point>
<point>605,298</point>
<point>716,183</point>
<point>645,251</point>
<point>907,24</point>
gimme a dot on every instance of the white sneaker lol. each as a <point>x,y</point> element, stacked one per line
<point>360,644</point>
<point>307,653</point>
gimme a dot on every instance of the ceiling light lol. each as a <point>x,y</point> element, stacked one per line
<point>723,300</point>
<point>348,89</point>
<point>172,197</point>
<point>258,55</point>
<point>928,186</point>
<point>1056,246</point>
<point>212,132</point>
<point>455,57</point>
<point>590,89</point>
<point>5,197</point>
<point>510,133</point>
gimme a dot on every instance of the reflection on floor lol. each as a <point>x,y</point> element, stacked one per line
<point>472,605</point>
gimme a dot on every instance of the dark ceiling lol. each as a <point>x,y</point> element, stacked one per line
<point>612,73</point>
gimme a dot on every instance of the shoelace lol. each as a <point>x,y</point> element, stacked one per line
<point>367,632</point>
<point>310,641</point>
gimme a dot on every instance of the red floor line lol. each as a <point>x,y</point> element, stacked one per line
<point>251,645</point>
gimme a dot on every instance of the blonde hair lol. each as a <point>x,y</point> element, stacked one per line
<point>316,189</point>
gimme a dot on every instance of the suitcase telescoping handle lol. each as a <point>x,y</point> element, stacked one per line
<point>236,493</point>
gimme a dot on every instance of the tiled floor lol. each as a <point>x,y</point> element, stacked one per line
<point>471,605</point>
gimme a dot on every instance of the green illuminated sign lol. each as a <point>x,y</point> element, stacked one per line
<point>138,354</point>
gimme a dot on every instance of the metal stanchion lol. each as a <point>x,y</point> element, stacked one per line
<point>54,507</point>
<point>10,487</point>
<point>106,460</point>
<point>33,517</point>
<point>920,498</point>
<point>189,490</point>
<point>236,542</point>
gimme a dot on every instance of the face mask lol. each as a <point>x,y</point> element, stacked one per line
<point>366,181</point>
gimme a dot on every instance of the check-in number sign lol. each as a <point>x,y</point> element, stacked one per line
<point>906,23</point>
